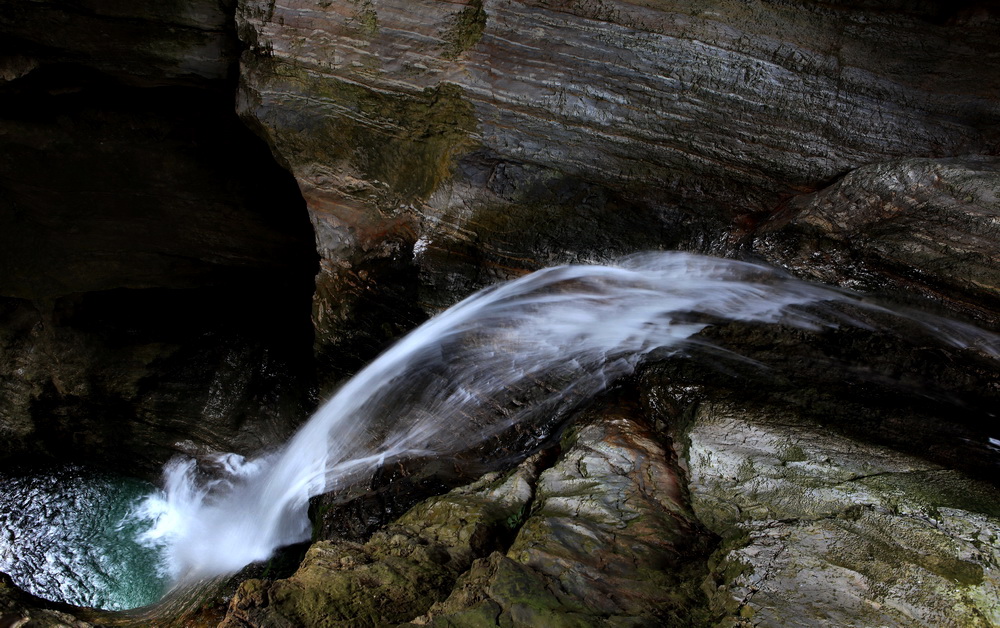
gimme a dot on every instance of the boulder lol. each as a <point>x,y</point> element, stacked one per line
<point>609,540</point>
<point>927,226</point>
<point>401,570</point>
<point>820,529</point>
<point>601,535</point>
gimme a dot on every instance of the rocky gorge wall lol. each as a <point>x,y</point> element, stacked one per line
<point>158,266</point>
<point>486,138</point>
<point>442,146</point>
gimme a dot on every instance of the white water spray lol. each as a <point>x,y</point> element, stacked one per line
<point>554,337</point>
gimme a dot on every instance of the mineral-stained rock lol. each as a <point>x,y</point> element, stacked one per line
<point>609,541</point>
<point>926,224</point>
<point>822,530</point>
<point>480,138</point>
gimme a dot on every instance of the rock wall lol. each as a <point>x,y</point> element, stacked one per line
<point>471,141</point>
<point>438,146</point>
<point>920,225</point>
<point>186,41</point>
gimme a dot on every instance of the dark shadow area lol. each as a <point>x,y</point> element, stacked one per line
<point>157,274</point>
<point>896,385</point>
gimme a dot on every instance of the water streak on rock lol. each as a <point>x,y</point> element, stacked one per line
<point>518,353</point>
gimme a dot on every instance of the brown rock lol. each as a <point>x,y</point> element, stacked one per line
<point>482,138</point>
<point>609,540</point>
<point>920,224</point>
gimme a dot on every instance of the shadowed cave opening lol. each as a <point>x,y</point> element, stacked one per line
<point>155,298</point>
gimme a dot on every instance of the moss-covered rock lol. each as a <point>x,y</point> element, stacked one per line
<point>361,183</point>
<point>608,541</point>
<point>402,570</point>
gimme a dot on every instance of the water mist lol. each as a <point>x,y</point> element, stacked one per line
<point>532,348</point>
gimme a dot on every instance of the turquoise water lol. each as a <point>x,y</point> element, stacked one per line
<point>68,535</point>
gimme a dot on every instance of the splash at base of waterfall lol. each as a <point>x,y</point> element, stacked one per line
<point>521,353</point>
<point>66,535</point>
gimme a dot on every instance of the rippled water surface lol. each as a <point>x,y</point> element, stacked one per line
<point>67,535</point>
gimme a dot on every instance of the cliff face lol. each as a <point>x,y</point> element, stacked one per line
<point>484,138</point>
<point>438,147</point>
<point>170,174</point>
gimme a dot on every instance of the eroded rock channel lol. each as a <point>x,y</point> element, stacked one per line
<point>212,214</point>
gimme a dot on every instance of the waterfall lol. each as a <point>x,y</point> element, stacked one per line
<point>518,353</point>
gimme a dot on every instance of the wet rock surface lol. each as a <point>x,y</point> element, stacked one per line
<point>401,570</point>
<point>609,540</point>
<point>602,536</point>
<point>17,608</point>
<point>817,528</point>
<point>927,226</point>
<point>83,381</point>
<point>475,140</point>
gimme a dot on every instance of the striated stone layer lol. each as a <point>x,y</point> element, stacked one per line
<point>918,224</point>
<point>469,141</point>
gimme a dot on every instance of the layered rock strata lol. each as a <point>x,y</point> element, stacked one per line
<point>921,225</point>
<point>441,146</point>
<point>477,139</point>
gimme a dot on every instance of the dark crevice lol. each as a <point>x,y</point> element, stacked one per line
<point>156,261</point>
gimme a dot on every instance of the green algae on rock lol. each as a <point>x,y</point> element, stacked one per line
<point>398,573</point>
